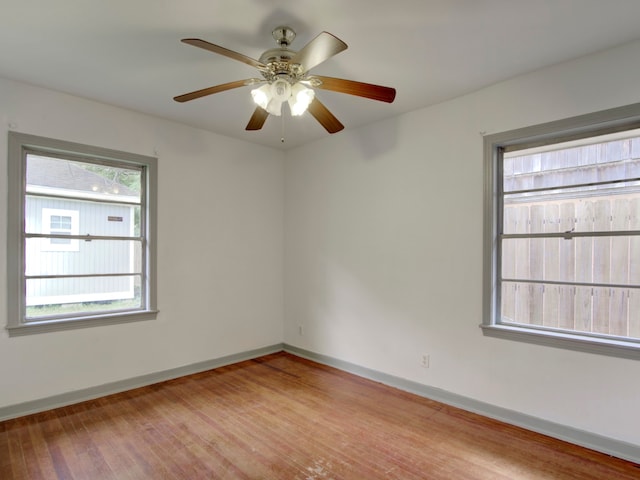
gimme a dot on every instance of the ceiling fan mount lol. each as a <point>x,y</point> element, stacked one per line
<point>283,35</point>
<point>286,79</point>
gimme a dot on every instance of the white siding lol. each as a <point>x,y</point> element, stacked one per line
<point>90,257</point>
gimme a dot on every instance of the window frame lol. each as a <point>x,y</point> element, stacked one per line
<point>599,123</point>
<point>19,144</point>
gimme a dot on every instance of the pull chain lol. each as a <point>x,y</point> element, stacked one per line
<point>282,136</point>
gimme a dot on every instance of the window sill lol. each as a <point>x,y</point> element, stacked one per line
<point>581,343</point>
<point>35,327</point>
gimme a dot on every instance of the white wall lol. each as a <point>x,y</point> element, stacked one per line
<point>220,230</point>
<point>383,242</point>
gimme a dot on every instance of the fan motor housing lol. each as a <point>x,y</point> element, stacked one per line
<point>279,55</point>
<point>278,62</point>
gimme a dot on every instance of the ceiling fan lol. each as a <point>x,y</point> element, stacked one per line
<point>286,78</point>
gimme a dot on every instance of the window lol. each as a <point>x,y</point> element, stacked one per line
<point>81,235</point>
<point>562,233</point>
<point>60,222</point>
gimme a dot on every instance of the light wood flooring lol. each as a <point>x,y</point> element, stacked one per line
<point>282,417</point>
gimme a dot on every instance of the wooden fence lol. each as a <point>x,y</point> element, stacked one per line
<point>609,260</point>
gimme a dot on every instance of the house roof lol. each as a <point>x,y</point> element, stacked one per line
<point>60,174</point>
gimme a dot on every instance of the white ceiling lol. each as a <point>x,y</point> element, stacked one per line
<point>128,52</point>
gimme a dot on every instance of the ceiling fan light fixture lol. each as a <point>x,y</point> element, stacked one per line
<point>281,90</point>
<point>300,99</point>
<point>272,96</point>
<point>261,96</point>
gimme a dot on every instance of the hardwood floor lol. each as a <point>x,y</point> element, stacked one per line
<point>282,417</point>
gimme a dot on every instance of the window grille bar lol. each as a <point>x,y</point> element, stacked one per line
<point>86,237</point>
<point>569,235</point>
<point>120,201</point>
<point>573,284</point>
<point>571,186</point>
<point>81,275</point>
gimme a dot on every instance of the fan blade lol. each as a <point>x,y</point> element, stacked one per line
<point>367,90</point>
<point>257,119</point>
<point>211,90</point>
<point>324,116</point>
<point>196,42</point>
<point>321,48</point>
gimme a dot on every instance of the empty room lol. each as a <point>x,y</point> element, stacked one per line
<point>269,239</point>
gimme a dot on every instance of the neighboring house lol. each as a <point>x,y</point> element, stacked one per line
<point>67,199</point>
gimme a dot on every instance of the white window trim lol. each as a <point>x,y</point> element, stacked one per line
<point>18,144</point>
<point>607,121</point>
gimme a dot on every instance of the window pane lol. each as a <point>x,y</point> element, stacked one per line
<point>574,165</point>
<point>82,179</point>
<point>609,260</point>
<point>59,222</point>
<point>91,257</point>
<point>62,296</point>
<point>598,310</point>
<point>89,217</point>
<point>580,214</point>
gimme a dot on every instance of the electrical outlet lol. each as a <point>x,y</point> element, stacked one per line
<point>425,360</point>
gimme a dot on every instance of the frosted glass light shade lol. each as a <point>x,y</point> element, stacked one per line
<point>262,95</point>
<point>280,90</point>
<point>300,99</point>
